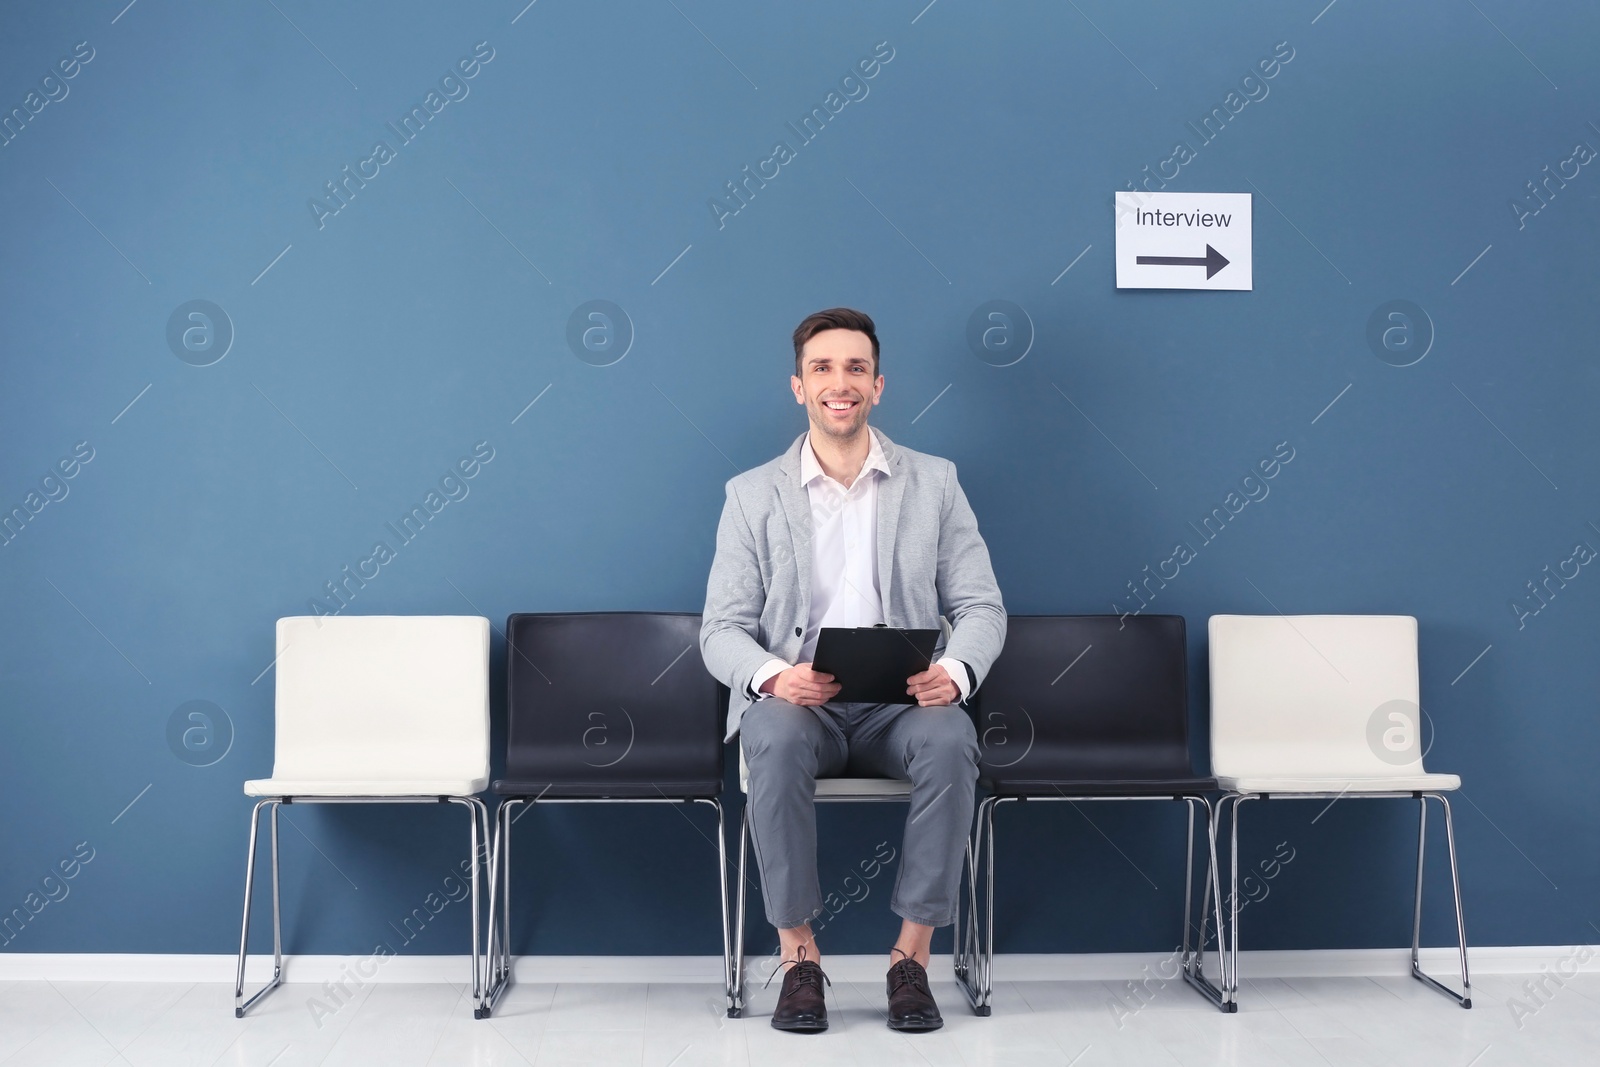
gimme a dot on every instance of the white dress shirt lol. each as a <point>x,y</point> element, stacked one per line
<point>844,558</point>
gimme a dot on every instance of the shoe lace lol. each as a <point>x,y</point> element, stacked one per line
<point>806,972</point>
<point>907,972</point>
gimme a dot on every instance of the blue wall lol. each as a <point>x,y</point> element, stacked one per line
<point>374,346</point>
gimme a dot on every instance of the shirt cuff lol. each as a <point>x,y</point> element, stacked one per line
<point>767,670</point>
<point>957,670</point>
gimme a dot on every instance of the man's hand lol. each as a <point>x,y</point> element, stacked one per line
<point>802,686</point>
<point>932,687</point>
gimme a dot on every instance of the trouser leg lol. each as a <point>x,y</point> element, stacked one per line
<point>936,749</point>
<point>786,748</point>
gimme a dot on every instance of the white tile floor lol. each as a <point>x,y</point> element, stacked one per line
<point>1356,1021</point>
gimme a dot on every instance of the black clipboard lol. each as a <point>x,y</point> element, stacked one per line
<point>871,663</point>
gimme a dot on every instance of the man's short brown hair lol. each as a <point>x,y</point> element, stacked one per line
<point>835,319</point>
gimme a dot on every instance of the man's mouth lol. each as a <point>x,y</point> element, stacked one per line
<point>840,405</point>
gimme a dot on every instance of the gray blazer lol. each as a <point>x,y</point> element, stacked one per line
<point>930,558</point>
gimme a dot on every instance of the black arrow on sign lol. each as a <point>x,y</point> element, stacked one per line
<point>1212,262</point>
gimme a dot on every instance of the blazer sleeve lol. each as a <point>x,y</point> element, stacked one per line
<point>735,595</point>
<point>969,596</point>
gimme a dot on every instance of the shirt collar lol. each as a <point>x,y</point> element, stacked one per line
<point>810,469</point>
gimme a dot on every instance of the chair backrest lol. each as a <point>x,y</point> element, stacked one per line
<point>382,697</point>
<point>1312,696</point>
<point>1087,697</point>
<point>611,697</point>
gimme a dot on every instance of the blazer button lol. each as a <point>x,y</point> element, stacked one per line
<point>797,632</point>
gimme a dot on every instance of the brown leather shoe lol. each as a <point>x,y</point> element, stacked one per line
<point>911,1006</point>
<point>801,1009</point>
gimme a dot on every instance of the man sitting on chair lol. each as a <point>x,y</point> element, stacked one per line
<point>848,529</point>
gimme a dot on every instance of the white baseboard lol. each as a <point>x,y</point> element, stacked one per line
<point>1019,967</point>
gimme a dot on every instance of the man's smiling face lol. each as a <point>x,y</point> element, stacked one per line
<point>838,382</point>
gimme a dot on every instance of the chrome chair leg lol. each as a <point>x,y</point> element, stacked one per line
<point>481,857</point>
<point>966,925</point>
<point>968,939</point>
<point>488,870</point>
<point>277,896</point>
<point>1196,960</point>
<point>1464,998</point>
<point>736,1005</point>
<point>499,947</point>
<point>240,1004</point>
<point>1416,911</point>
<point>492,942</point>
<point>505,896</point>
<point>986,956</point>
<point>958,951</point>
<point>1212,894</point>
<point>1188,889</point>
<point>1193,967</point>
<point>480,1010</point>
<point>722,881</point>
<point>960,961</point>
<point>1231,970</point>
<point>1455,886</point>
<point>480,962</point>
<point>473,804</point>
<point>969,962</point>
<point>1214,880</point>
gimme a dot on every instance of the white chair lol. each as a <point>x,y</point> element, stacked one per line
<point>1323,706</point>
<point>375,709</point>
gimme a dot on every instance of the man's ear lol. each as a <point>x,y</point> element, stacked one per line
<point>799,393</point>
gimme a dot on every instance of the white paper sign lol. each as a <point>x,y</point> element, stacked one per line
<point>1183,241</point>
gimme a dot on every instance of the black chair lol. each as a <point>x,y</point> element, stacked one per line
<point>1085,708</point>
<point>604,707</point>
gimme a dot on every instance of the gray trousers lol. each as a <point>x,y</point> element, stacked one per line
<point>787,748</point>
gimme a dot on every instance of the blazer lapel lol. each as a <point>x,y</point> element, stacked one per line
<point>797,512</point>
<point>891,491</point>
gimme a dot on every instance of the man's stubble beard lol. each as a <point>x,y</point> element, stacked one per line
<point>846,436</point>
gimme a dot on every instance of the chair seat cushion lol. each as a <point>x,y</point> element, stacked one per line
<point>394,787</point>
<point>862,787</point>
<point>838,788</point>
<point>579,790</point>
<point>1407,783</point>
<point>1100,787</point>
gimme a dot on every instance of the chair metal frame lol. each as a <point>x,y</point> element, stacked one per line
<point>499,947</point>
<point>478,815</point>
<point>974,960</point>
<point>1239,798</point>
